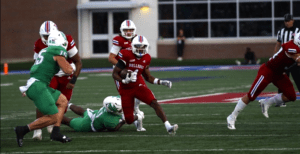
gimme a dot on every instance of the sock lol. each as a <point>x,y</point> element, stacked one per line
<point>238,108</point>
<point>25,129</point>
<point>136,123</point>
<point>167,125</point>
<point>56,129</point>
<point>277,99</point>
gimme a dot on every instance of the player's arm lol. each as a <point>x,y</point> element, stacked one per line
<point>63,64</point>
<point>113,53</point>
<point>151,79</point>
<point>78,65</point>
<point>119,67</point>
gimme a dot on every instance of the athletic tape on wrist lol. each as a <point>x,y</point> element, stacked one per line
<point>155,81</point>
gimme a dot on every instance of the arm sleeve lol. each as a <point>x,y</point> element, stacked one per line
<point>121,64</point>
<point>71,42</point>
<point>72,52</point>
<point>115,49</point>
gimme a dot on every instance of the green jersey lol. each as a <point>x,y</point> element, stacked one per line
<point>45,67</point>
<point>101,120</point>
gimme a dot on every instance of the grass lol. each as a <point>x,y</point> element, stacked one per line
<point>202,127</point>
<point>103,62</point>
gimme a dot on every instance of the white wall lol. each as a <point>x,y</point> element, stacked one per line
<point>147,24</point>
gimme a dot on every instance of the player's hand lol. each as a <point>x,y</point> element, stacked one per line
<point>134,75</point>
<point>70,86</point>
<point>127,79</point>
<point>23,94</point>
<point>166,83</point>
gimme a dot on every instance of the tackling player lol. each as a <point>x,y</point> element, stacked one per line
<point>109,117</point>
<point>61,81</point>
<point>271,72</point>
<point>49,101</point>
<point>120,42</point>
<point>138,60</point>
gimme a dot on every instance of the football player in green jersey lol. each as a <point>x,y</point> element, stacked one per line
<point>109,117</point>
<point>49,101</point>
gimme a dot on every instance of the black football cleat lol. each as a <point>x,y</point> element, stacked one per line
<point>59,137</point>
<point>20,135</point>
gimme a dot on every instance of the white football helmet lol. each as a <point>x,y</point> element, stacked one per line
<point>46,29</point>
<point>58,38</point>
<point>113,104</point>
<point>140,46</point>
<point>128,24</point>
<point>297,39</point>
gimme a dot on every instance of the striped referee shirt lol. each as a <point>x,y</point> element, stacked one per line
<point>286,34</point>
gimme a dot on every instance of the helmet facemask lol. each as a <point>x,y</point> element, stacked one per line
<point>140,49</point>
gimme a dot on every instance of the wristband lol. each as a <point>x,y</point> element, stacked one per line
<point>155,81</point>
<point>73,80</point>
<point>297,58</point>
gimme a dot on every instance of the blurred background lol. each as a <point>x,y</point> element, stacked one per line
<point>214,29</point>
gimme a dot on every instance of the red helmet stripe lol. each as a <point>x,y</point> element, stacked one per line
<point>141,39</point>
<point>47,26</point>
<point>128,23</point>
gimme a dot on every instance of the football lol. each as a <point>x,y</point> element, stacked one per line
<point>124,72</point>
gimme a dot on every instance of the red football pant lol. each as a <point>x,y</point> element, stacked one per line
<point>266,76</point>
<point>60,84</point>
<point>141,92</point>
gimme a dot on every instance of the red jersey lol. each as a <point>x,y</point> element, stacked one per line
<point>39,45</point>
<point>132,63</point>
<point>121,42</point>
<point>280,60</point>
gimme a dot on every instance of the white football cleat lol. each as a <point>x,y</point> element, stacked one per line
<point>264,107</point>
<point>50,128</point>
<point>37,134</point>
<point>139,122</point>
<point>173,129</point>
<point>231,122</point>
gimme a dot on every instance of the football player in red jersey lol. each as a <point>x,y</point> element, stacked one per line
<point>61,81</point>
<point>138,60</point>
<point>271,72</point>
<point>120,42</point>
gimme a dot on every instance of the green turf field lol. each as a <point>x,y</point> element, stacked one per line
<point>202,127</point>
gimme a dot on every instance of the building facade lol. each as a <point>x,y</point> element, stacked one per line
<point>214,28</point>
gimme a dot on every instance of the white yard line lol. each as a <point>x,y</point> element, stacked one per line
<point>165,151</point>
<point>6,84</point>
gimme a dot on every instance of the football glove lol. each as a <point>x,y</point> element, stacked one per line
<point>127,79</point>
<point>166,83</point>
<point>134,75</point>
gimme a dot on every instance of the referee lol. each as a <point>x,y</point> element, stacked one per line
<point>284,35</point>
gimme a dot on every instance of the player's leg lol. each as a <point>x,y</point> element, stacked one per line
<point>261,81</point>
<point>81,124</point>
<point>287,72</point>
<point>44,101</point>
<point>145,94</point>
<point>37,134</point>
<point>288,93</point>
<point>66,121</point>
<point>127,97</point>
